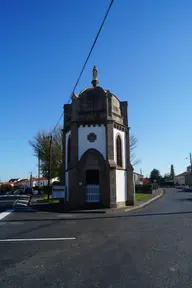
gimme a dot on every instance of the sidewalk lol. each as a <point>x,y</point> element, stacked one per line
<point>60,209</point>
<point>139,204</point>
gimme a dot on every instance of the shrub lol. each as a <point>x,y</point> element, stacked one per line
<point>143,189</point>
<point>5,188</point>
<point>38,188</point>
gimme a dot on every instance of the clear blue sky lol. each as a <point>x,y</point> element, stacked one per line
<point>144,56</point>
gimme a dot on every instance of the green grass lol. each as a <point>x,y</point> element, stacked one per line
<point>54,201</point>
<point>140,197</point>
<point>45,197</point>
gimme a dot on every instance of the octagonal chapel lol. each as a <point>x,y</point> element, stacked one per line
<point>96,170</point>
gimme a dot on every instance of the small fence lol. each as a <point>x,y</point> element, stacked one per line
<point>92,194</point>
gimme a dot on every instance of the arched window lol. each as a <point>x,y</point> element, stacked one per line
<point>119,151</point>
<point>69,149</point>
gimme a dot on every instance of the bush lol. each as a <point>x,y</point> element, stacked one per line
<point>143,189</point>
<point>47,190</point>
<point>38,188</point>
<point>5,188</point>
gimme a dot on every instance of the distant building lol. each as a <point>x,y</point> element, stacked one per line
<point>14,180</point>
<point>7,183</point>
<point>189,168</point>
<point>146,180</point>
<point>180,179</point>
<point>138,178</point>
<point>40,182</point>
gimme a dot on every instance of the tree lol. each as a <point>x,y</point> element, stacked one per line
<point>41,146</point>
<point>172,173</point>
<point>133,146</point>
<point>155,176</point>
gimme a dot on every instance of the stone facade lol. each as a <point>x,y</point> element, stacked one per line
<point>90,120</point>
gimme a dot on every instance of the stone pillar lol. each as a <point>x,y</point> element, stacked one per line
<point>73,177</point>
<point>74,144</point>
<point>62,176</point>
<point>130,188</point>
<point>112,187</point>
<point>111,164</point>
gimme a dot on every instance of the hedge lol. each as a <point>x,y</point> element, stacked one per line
<point>143,189</point>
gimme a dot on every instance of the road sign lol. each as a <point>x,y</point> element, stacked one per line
<point>58,192</point>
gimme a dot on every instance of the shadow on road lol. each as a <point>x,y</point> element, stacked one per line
<point>185,190</point>
<point>56,208</point>
<point>106,216</point>
<point>184,199</point>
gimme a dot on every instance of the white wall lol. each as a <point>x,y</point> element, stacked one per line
<point>123,137</point>
<point>180,180</point>
<point>66,142</point>
<point>84,144</point>
<point>137,178</point>
<point>121,185</point>
<point>36,182</point>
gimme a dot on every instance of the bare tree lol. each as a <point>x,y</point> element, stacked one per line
<point>41,147</point>
<point>133,146</point>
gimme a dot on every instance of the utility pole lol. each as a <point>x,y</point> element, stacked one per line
<point>39,165</point>
<point>190,162</point>
<point>30,179</point>
<point>49,164</point>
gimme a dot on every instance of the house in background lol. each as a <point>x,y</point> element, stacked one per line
<point>21,182</point>
<point>146,181</point>
<point>33,182</point>
<point>40,182</point>
<point>138,178</point>
<point>14,180</point>
<point>7,183</point>
<point>181,178</point>
<point>189,168</point>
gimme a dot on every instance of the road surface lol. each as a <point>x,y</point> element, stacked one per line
<point>150,247</point>
<point>9,202</point>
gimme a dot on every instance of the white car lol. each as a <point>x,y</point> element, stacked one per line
<point>35,192</point>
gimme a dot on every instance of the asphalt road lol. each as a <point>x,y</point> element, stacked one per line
<point>150,247</point>
<point>7,202</point>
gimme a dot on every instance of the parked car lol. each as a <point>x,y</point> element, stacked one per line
<point>28,191</point>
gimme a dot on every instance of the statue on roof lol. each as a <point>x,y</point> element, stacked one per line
<point>95,76</point>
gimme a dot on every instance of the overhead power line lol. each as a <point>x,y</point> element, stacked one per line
<point>85,63</point>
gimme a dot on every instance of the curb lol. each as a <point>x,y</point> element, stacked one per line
<point>105,212</point>
<point>145,203</point>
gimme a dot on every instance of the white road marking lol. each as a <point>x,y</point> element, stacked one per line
<point>4,214</point>
<point>37,239</point>
<point>15,202</point>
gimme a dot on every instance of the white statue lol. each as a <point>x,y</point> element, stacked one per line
<point>95,73</point>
